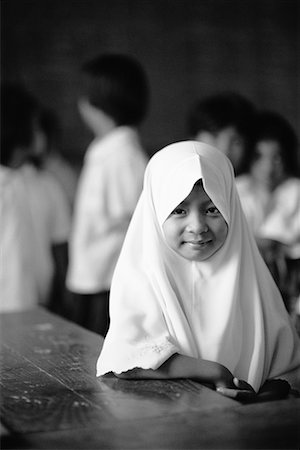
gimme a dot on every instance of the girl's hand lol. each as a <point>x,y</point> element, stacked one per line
<point>241,390</point>
<point>272,390</point>
<point>223,378</point>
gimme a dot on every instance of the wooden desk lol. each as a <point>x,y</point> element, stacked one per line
<point>52,400</point>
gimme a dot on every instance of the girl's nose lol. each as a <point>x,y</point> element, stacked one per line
<point>197,223</point>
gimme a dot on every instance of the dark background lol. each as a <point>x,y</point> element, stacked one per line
<point>189,48</point>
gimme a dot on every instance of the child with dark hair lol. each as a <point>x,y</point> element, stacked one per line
<point>270,196</point>
<point>117,85</point>
<point>37,193</point>
<point>225,121</point>
<point>113,104</point>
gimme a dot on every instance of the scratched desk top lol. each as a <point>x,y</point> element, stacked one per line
<point>51,399</point>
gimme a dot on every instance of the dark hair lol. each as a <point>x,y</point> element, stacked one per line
<point>272,126</point>
<point>220,111</point>
<point>117,84</point>
<point>18,111</point>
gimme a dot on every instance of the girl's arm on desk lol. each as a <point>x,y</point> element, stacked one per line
<point>211,373</point>
<point>204,371</point>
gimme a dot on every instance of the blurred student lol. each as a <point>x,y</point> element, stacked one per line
<point>113,105</point>
<point>43,199</point>
<point>225,121</point>
<point>54,162</point>
<point>17,278</point>
<point>270,196</point>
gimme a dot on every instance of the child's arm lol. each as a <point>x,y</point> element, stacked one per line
<point>180,366</point>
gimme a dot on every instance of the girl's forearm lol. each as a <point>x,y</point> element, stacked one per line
<point>180,366</point>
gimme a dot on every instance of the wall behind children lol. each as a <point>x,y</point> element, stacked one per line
<point>189,48</point>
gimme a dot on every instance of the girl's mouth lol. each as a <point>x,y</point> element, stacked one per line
<point>197,244</point>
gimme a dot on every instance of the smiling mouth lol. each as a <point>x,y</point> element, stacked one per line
<point>198,243</point>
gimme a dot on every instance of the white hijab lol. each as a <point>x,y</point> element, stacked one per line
<point>225,309</point>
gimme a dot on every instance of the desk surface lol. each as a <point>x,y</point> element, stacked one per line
<point>51,399</point>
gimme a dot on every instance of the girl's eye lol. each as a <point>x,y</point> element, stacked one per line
<point>213,210</point>
<point>178,211</point>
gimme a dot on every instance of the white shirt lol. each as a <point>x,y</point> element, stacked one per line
<point>18,290</point>
<point>226,308</point>
<point>108,190</point>
<point>51,220</point>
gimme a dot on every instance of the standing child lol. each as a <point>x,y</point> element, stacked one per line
<point>22,147</point>
<point>191,296</point>
<point>114,104</point>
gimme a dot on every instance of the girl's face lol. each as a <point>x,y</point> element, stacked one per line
<point>195,229</point>
<point>267,167</point>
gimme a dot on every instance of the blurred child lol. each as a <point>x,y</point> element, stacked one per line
<point>270,196</point>
<point>113,105</point>
<point>191,296</point>
<point>22,149</point>
<point>224,121</point>
<point>17,279</point>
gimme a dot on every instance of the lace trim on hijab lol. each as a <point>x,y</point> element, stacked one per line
<point>147,354</point>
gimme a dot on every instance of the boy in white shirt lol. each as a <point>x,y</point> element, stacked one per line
<point>113,105</point>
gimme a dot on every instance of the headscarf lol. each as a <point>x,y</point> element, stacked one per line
<point>226,308</point>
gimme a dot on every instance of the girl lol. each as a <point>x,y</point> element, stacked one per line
<point>191,297</point>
